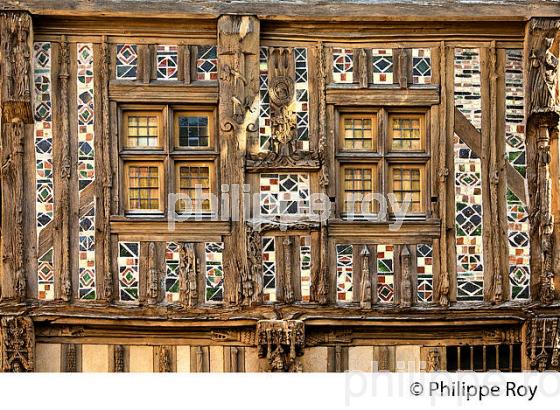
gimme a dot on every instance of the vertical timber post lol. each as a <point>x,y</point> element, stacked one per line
<point>238,68</point>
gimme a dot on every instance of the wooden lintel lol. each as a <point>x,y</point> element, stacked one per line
<point>352,95</point>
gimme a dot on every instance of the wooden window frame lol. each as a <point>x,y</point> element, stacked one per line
<point>211,177</point>
<point>126,113</point>
<point>195,111</point>
<point>373,115</point>
<point>162,187</point>
<point>408,116</point>
<point>384,158</point>
<point>166,155</point>
<point>374,167</point>
<point>423,183</point>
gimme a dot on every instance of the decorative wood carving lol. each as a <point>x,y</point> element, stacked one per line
<point>282,151</point>
<point>433,364</point>
<point>406,282</point>
<point>70,358</point>
<point>119,359</point>
<point>15,95</point>
<point>165,359</point>
<point>234,359</point>
<point>254,255</point>
<point>364,73</point>
<point>18,344</point>
<point>153,275</point>
<point>13,241</point>
<point>325,338</point>
<point>199,359</point>
<point>365,285</point>
<point>320,289</point>
<point>544,347</point>
<point>246,337</point>
<point>238,53</point>
<point>281,342</point>
<point>108,281</point>
<point>14,43</point>
<point>187,275</point>
<point>62,210</point>
<point>288,271</point>
<point>541,122</point>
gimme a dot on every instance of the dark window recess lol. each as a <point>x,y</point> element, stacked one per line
<point>481,358</point>
<point>193,131</point>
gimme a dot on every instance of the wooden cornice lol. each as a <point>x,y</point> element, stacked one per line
<point>344,10</point>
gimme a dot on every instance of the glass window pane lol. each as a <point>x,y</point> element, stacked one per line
<point>193,130</point>
<point>142,131</point>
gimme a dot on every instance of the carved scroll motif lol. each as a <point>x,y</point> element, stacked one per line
<point>187,275</point>
<point>281,342</point>
<point>365,285</point>
<point>18,344</point>
<point>406,282</point>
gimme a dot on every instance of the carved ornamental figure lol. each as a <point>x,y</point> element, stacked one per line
<point>406,284</point>
<point>18,344</point>
<point>281,342</point>
<point>365,286</point>
<point>187,275</point>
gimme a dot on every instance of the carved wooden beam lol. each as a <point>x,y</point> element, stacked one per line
<point>107,179</point>
<point>18,344</point>
<point>472,137</point>
<point>281,342</point>
<point>238,55</point>
<point>62,208</point>
<point>542,121</point>
<point>15,97</point>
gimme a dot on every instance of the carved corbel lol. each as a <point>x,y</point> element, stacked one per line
<point>365,285</point>
<point>187,275</point>
<point>18,344</point>
<point>281,342</point>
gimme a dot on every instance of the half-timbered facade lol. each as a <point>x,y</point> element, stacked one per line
<point>279,186</point>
